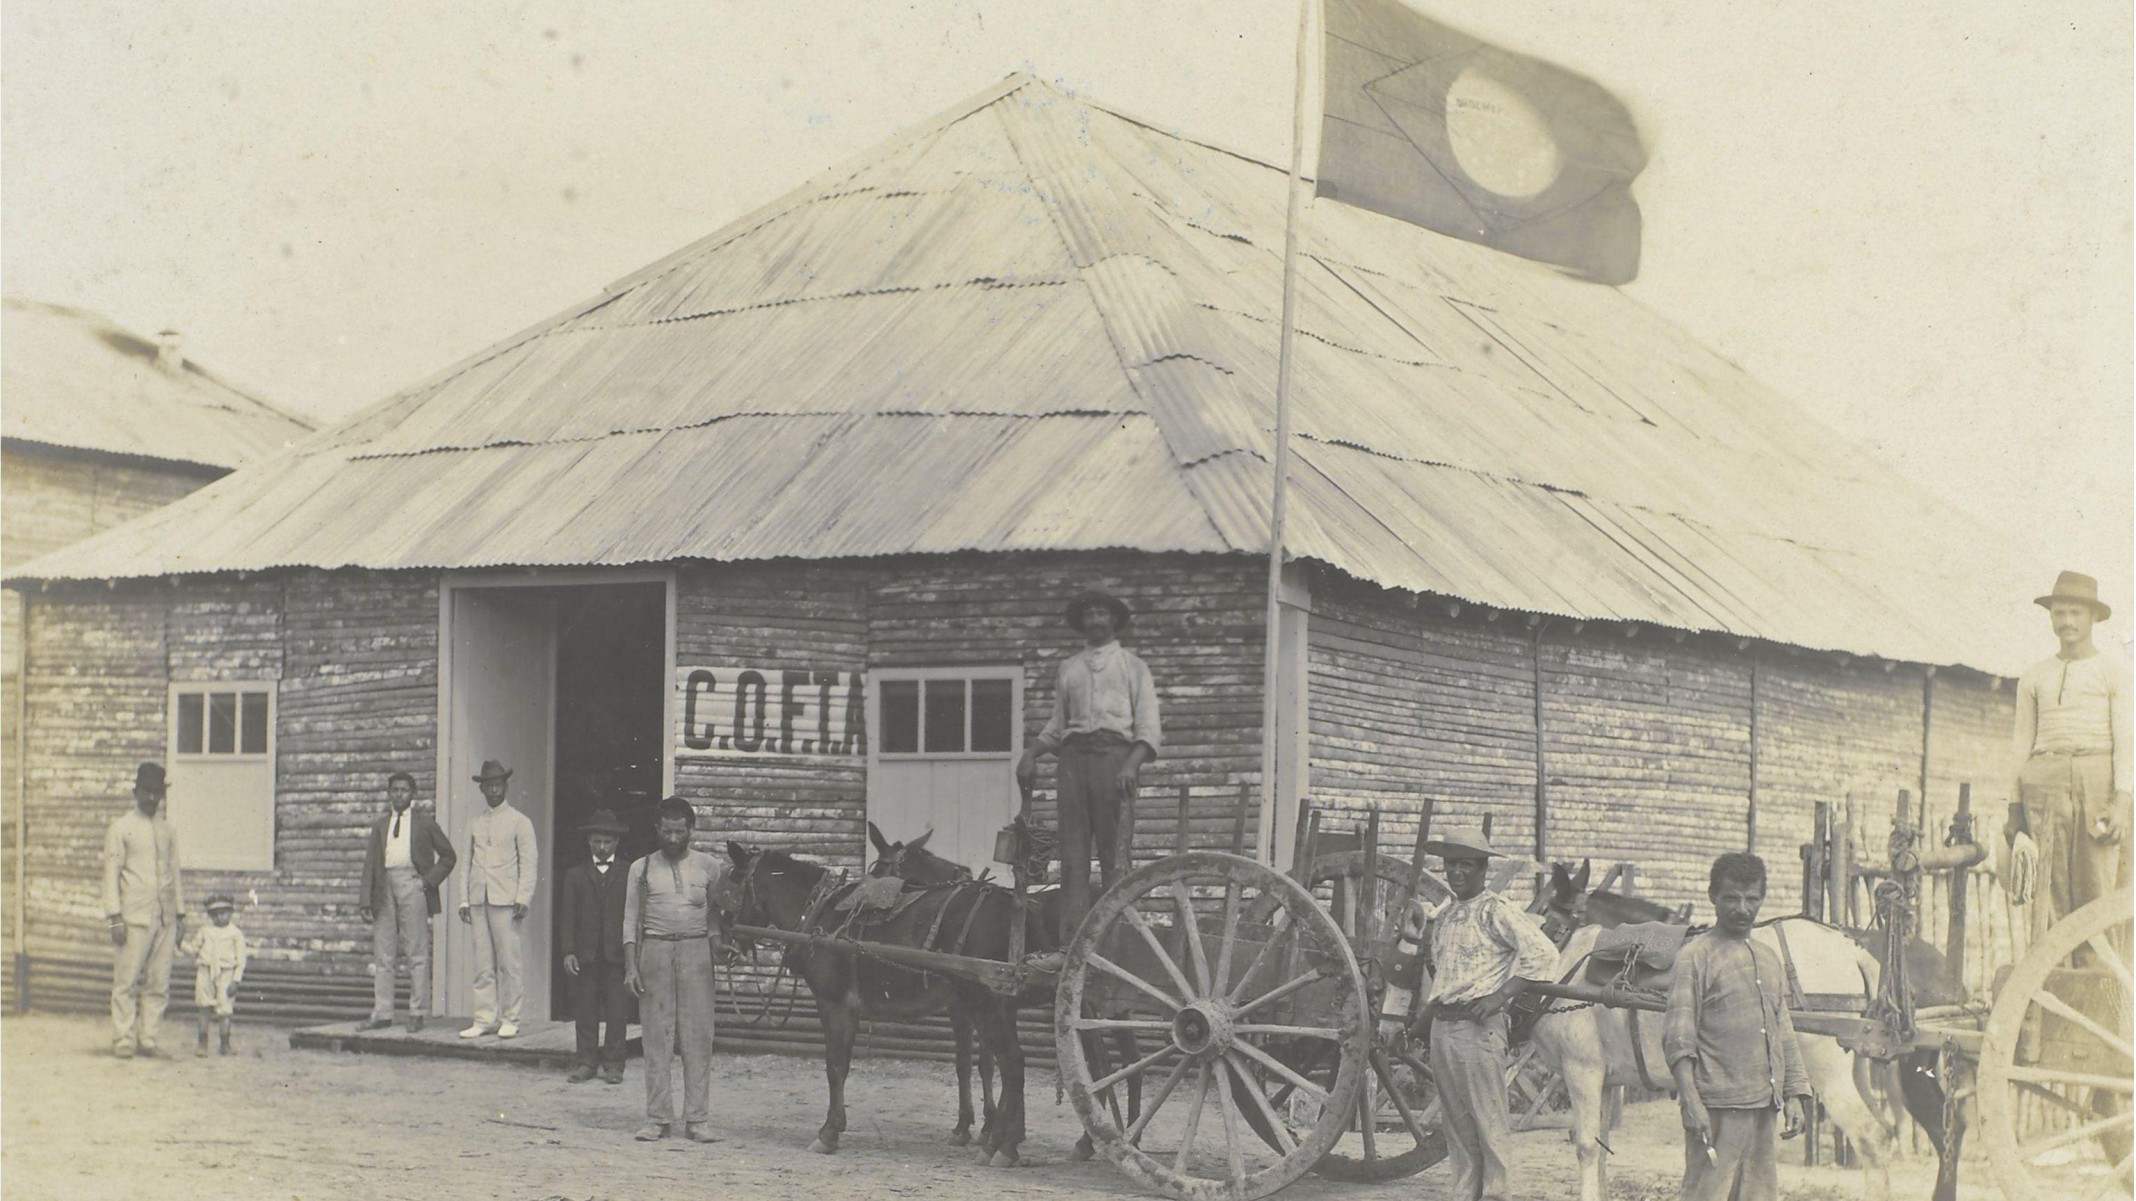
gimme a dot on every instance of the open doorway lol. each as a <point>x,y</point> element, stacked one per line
<point>565,683</point>
<point>611,660</point>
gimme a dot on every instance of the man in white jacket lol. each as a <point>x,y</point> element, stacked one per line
<point>502,868</point>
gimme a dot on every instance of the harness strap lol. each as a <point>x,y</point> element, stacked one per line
<point>964,932</point>
<point>1795,998</point>
<point>1639,1058</point>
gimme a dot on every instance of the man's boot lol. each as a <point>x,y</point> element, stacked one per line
<point>201,1048</point>
<point>225,1047</point>
<point>580,1074</point>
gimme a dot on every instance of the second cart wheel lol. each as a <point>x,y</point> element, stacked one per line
<point>1396,1130</point>
<point>2055,1060</point>
<point>1217,1006</point>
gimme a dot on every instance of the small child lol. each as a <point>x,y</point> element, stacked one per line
<point>219,953</point>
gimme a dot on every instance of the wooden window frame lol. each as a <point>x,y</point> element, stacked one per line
<point>877,677</point>
<point>178,762</point>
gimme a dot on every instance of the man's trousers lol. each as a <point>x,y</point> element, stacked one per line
<point>598,995</point>
<point>400,931</point>
<point>499,986</point>
<point>1468,1065</point>
<point>677,1008</point>
<point>1090,818</point>
<point>141,983</point>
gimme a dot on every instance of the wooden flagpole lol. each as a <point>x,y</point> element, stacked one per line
<point>1271,703</point>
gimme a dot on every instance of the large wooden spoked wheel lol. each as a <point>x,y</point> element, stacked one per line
<point>1168,956</point>
<point>2060,1032</point>
<point>1396,1129</point>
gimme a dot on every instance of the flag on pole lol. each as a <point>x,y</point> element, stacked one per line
<point>1432,126</point>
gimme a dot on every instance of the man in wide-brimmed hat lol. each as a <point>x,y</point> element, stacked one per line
<point>405,862</point>
<point>1484,950</point>
<point>591,937</point>
<point>2073,757</point>
<point>144,907</point>
<point>1104,727</point>
<point>503,865</point>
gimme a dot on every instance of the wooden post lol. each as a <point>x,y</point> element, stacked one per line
<point>1750,818</point>
<point>1954,941</point>
<point>1182,818</point>
<point>1848,843</point>
<point>1368,900</point>
<point>1542,768</point>
<point>1837,882</point>
<point>1305,814</point>
<point>1238,820</point>
<point>1813,862</point>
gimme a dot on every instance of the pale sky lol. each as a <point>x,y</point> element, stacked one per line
<point>1913,218</point>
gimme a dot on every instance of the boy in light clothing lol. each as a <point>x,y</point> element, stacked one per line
<point>218,953</point>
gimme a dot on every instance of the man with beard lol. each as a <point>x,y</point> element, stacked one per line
<point>671,923</point>
<point>144,907</point>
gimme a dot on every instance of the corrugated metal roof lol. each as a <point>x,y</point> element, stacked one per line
<point>74,379</point>
<point>1035,324</point>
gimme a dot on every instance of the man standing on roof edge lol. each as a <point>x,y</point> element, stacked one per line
<point>1104,727</point>
<point>2073,757</point>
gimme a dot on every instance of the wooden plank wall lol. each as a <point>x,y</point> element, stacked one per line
<point>775,615</point>
<point>1197,624</point>
<point>51,498</point>
<point>356,656</point>
<point>1647,739</point>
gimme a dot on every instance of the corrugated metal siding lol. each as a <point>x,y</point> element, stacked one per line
<point>1468,424</point>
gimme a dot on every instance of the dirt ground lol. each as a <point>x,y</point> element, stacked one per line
<point>273,1123</point>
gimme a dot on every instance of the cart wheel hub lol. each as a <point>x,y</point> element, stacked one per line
<point>1202,1027</point>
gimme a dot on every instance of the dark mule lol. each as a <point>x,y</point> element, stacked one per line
<point>916,865</point>
<point>785,893</point>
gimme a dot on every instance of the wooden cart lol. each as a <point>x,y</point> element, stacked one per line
<point>1252,998</point>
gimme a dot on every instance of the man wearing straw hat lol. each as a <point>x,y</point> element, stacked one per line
<point>1484,950</point>
<point>502,867</point>
<point>2073,757</point>
<point>1103,729</point>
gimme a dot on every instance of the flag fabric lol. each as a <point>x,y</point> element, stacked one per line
<point>1432,126</point>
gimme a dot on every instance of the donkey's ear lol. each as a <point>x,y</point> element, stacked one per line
<point>921,841</point>
<point>882,845</point>
<point>1560,876</point>
<point>1587,871</point>
<point>737,852</point>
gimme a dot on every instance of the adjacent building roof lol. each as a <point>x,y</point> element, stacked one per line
<point>73,379</point>
<point>1035,324</point>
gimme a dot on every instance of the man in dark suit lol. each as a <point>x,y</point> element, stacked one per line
<point>592,941</point>
<point>407,859</point>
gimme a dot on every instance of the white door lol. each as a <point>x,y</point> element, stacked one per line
<point>501,704</point>
<point>943,757</point>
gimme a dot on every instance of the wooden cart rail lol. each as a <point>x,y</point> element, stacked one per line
<point>995,974</point>
<point>1935,1025</point>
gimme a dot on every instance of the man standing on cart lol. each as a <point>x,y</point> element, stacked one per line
<point>1103,729</point>
<point>2073,758</point>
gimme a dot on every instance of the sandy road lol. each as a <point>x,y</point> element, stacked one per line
<point>270,1122</point>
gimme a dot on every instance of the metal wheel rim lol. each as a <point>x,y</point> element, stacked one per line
<point>1419,1151</point>
<point>1349,1029</point>
<point>2002,1078</point>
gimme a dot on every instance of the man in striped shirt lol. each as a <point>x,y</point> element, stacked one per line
<point>671,924</point>
<point>1484,951</point>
